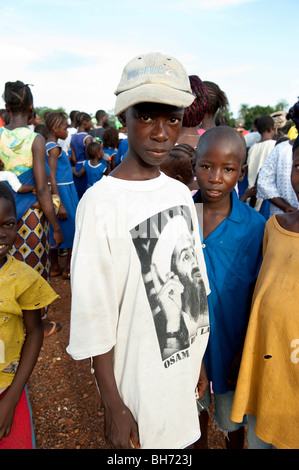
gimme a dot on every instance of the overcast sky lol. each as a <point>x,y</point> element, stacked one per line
<point>74,51</point>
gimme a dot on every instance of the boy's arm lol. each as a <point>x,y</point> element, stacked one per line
<point>120,426</point>
<point>30,351</point>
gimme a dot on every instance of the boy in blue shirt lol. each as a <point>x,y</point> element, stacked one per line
<point>232,235</point>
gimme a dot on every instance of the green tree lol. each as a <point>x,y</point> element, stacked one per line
<point>249,114</point>
<point>44,109</point>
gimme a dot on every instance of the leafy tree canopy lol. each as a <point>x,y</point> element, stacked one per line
<point>249,114</point>
<point>44,109</point>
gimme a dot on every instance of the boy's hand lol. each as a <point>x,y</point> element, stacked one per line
<point>121,429</point>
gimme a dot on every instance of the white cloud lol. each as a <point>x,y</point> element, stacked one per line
<point>82,85</point>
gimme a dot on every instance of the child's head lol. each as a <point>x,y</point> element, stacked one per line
<point>179,163</point>
<point>295,168</point>
<point>8,221</point>
<point>110,138</point>
<point>57,124</point>
<point>217,99</point>
<point>152,94</point>
<point>194,113</point>
<point>18,97</point>
<point>101,117</point>
<point>42,130</point>
<point>220,162</point>
<point>84,121</point>
<point>94,151</point>
<point>153,78</point>
<point>73,119</point>
<point>265,124</point>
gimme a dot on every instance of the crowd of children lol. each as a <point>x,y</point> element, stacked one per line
<point>197,289</point>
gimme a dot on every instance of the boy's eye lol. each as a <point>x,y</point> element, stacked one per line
<point>146,118</point>
<point>229,170</point>
<point>205,166</point>
<point>174,120</point>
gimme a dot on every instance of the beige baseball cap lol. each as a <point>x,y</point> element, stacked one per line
<point>153,78</point>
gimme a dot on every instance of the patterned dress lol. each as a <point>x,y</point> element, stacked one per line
<point>32,244</point>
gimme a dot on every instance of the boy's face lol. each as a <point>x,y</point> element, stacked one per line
<point>8,228</point>
<point>153,130</point>
<point>295,172</point>
<point>218,169</point>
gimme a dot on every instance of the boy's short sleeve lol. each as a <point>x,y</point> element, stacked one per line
<point>94,311</point>
<point>39,294</point>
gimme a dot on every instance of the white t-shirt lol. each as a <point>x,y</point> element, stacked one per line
<point>256,158</point>
<point>12,180</point>
<point>129,236</point>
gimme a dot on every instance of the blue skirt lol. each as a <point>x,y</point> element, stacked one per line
<point>69,199</point>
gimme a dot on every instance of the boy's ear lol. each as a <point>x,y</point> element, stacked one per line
<point>179,178</point>
<point>242,172</point>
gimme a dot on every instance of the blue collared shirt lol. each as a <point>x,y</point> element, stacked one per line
<point>233,255</point>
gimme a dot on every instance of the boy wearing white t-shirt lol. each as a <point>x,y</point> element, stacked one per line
<point>139,284</point>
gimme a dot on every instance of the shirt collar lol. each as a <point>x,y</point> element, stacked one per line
<point>234,215</point>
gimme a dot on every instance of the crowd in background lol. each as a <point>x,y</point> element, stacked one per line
<point>50,175</point>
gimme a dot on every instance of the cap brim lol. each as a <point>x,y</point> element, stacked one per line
<point>152,93</point>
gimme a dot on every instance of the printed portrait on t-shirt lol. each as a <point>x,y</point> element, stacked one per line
<point>172,278</point>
